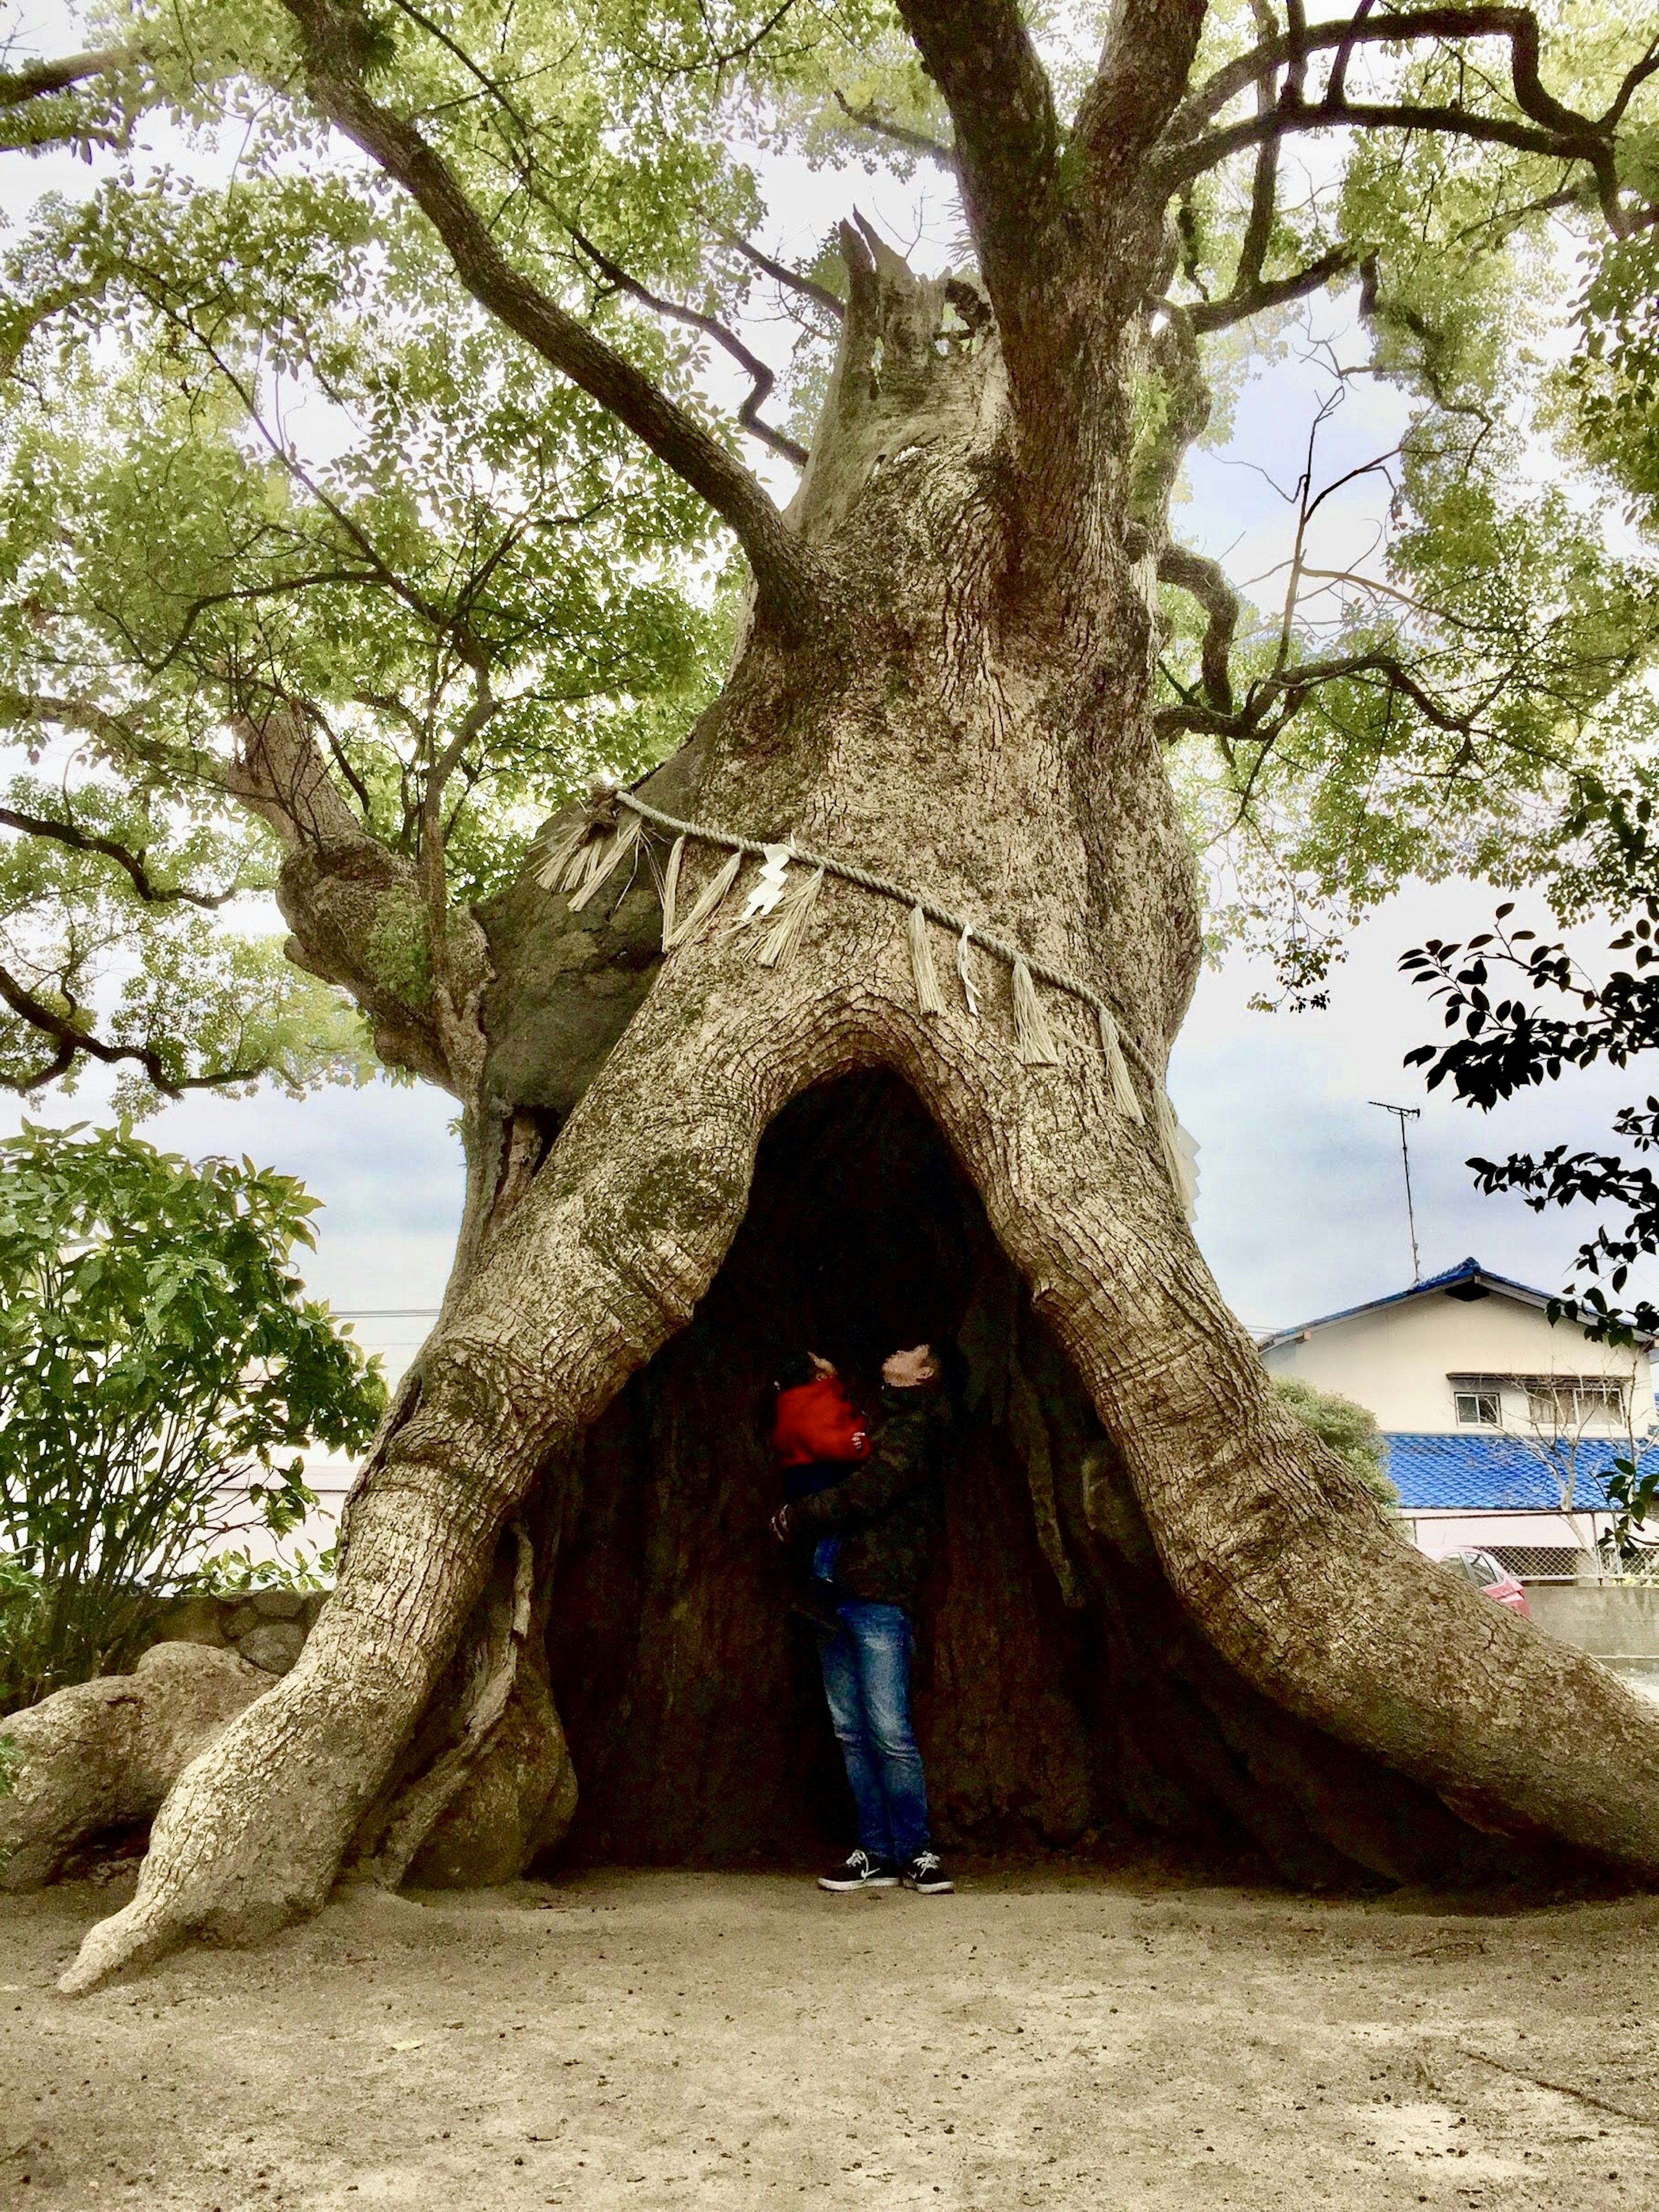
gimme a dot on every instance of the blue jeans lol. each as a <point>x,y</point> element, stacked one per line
<point>867,1680</point>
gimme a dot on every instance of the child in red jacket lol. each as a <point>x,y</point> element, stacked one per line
<point>816,1433</point>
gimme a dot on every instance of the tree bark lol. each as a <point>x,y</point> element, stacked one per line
<point>104,1754</point>
<point>970,718</point>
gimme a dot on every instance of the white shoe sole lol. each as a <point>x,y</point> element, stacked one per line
<point>847,1888</point>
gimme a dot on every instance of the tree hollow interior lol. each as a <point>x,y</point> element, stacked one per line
<point>688,1689</point>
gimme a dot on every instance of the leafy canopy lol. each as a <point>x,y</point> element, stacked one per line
<point>261,453</point>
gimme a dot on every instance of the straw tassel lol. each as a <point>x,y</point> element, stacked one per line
<point>1174,1155</point>
<point>929,997</point>
<point>1032,1036</point>
<point>621,846</point>
<point>710,897</point>
<point>576,859</point>
<point>671,884</point>
<point>786,932</point>
<point>968,993</point>
<point>583,861</point>
<point>560,858</point>
<point>1118,1081</point>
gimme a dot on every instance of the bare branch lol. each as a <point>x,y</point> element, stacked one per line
<point>751,363</point>
<point>84,841</point>
<point>336,40</point>
<point>781,273</point>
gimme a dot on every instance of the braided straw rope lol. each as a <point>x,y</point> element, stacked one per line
<point>1114,1033</point>
<point>886,887</point>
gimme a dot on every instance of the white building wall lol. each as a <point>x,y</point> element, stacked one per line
<point>1395,1360</point>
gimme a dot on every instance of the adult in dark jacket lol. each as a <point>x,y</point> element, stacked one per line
<point>882,1519</point>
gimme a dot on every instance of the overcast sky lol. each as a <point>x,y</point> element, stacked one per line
<point>1302,1204</point>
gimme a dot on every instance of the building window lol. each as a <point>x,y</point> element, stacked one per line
<point>1479,1409</point>
<point>1568,1401</point>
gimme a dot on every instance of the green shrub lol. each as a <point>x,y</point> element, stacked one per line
<point>161,1372</point>
<point>1349,1430</point>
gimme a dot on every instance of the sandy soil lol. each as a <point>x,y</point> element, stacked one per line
<point>654,2040</point>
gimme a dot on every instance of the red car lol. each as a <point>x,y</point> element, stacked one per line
<point>1485,1573</point>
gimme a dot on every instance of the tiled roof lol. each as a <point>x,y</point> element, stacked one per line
<point>1497,1474</point>
<point>1467,1274</point>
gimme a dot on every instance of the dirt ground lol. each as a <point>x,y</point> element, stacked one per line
<point>651,2039</point>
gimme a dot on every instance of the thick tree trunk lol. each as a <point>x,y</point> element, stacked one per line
<point>972,722</point>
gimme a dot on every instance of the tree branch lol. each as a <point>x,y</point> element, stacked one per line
<point>1290,686</point>
<point>360,911</point>
<point>74,1042</point>
<point>1207,582</point>
<point>1518,26</point>
<point>1549,127</point>
<point>1443,119</point>
<point>1267,292</point>
<point>980,55</point>
<point>40,79</point>
<point>84,841</point>
<point>280,775</point>
<point>900,134</point>
<point>781,273</point>
<point>1145,67</point>
<point>337,42</point>
<point>751,363</point>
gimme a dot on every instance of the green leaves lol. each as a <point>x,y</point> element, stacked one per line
<point>160,1373</point>
<point>1349,1430</point>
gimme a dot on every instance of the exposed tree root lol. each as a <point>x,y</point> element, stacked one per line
<point>106,1752</point>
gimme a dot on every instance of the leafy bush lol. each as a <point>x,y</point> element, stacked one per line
<point>1349,1430</point>
<point>161,1372</point>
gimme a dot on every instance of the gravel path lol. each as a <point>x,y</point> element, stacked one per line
<point>657,2039</point>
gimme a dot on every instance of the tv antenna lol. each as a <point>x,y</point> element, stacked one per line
<point>1404,1114</point>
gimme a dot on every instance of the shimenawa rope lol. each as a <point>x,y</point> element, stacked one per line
<point>575,866</point>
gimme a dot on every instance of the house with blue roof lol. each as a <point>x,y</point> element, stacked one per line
<point>1502,1425</point>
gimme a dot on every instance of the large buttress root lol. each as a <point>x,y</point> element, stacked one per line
<point>106,1752</point>
<point>487,1782</point>
<point>1272,1546</point>
<point>603,1260</point>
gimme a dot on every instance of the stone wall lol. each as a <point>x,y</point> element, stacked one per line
<point>267,1627</point>
<point>1613,1621</point>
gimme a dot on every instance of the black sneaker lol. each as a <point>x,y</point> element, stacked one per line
<point>862,1872</point>
<point>926,1876</point>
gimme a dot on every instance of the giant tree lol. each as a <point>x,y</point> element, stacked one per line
<point>970,661</point>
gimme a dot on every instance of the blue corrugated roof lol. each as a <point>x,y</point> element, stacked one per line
<point>1496,1474</point>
